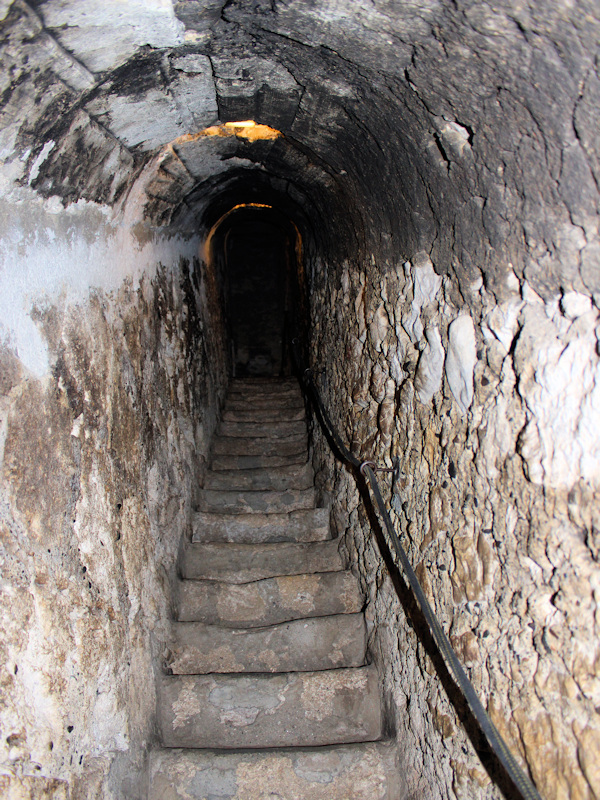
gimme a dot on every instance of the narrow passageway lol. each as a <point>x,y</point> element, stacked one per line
<point>409,189</point>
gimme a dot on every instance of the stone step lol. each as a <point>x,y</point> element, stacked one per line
<point>262,415</point>
<point>243,563</point>
<point>250,397</point>
<point>269,649</point>
<point>293,709</point>
<point>296,476</point>
<point>272,429</point>
<point>252,446</point>
<point>268,601</point>
<point>271,389</point>
<point>296,526</point>
<point>264,403</point>
<point>265,399</point>
<point>227,462</point>
<point>266,380</point>
<point>221,502</point>
<point>296,646</point>
<point>366,771</point>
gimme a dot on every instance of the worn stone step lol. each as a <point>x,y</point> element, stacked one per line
<point>296,476</point>
<point>296,646</point>
<point>243,563</point>
<point>280,395</point>
<point>261,446</point>
<point>251,502</point>
<point>265,403</point>
<point>265,380</point>
<point>268,601</point>
<point>227,462</point>
<point>262,415</point>
<point>270,388</point>
<point>272,429</point>
<point>295,526</point>
<point>365,771</point>
<point>293,709</point>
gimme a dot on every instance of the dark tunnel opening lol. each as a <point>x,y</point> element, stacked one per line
<point>256,251</point>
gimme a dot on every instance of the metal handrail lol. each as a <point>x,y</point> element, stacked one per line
<point>367,468</point>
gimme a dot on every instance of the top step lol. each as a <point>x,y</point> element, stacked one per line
<point>261,384</point>
<point>274,389</point>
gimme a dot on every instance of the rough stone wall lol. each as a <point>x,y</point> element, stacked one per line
<point>99,458</point>
<point>492,411</point>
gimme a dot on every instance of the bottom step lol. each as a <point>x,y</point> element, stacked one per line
<point>345,772</point>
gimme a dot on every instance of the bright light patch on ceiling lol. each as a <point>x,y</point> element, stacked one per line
<point>244,129</point>
<point>249,205</point>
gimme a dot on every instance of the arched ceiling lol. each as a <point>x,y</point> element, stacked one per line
<point>465,129</point>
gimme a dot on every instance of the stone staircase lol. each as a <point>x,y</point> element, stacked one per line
<point>268,695</point>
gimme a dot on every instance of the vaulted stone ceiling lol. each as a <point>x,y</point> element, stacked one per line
<point>468,130</point>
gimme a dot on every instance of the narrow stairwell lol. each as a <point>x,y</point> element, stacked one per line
<point>269,694</point>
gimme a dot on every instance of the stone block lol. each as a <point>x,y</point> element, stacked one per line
<point>249,413</point>
<point>270,429</point>
<point>296,646</point>
<point>230,462</point>
<point>368,771</point>
<point>251,446</point>
<point>262,502</point>
<point>297,709</point>
<point>242,563</point>
<point>268,601</point>
<point>295,526</point>
<point>297,476</point>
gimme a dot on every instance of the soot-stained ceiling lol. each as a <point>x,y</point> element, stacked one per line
<point>466,129</point>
